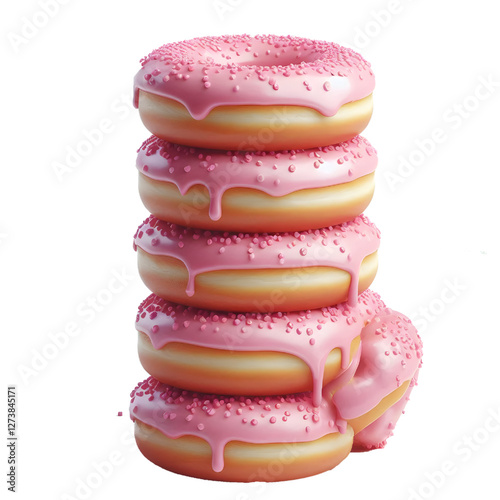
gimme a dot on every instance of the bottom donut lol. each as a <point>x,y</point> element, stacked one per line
<point>237,438</point>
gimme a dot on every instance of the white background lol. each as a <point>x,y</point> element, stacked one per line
<point>63,238</point>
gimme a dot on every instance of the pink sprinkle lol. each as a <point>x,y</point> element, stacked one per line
<point>272,420</point>
<point>155,328</point>
<point>207,85</point>
<point>200,427</point>
<point>120,414</point>
<point>254,421</point>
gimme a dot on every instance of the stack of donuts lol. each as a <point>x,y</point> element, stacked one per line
<point>269,356</point>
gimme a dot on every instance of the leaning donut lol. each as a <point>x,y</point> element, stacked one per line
<point>256,192</point>
<point>391,355</point>
<point>254,93</point>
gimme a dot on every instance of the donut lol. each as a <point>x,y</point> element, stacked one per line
<point>262,93</point>
<point>391,356</point>
<point>237,438</point>
<point>253,353</point>
<point>257,272</point>
<point>256,192</point>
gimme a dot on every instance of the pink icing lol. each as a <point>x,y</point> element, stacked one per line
<point>343,246</point>
<point>204,73</point>
<point>376,434</point>
<point>275,173</point>
<point>221,419</point>
<point>391,354</point>
<point>308,335</point>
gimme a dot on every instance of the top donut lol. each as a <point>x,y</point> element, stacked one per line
<point>254,93</point>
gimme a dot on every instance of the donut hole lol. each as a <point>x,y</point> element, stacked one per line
<point>262,55</point>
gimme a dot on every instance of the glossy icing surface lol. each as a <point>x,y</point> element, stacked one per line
<point>221,419</point>
<point>343,246</point>
<point>204,73</point>
<point>376,434</point>
<point>391,353</point>
<point>275,173</point>
<point>308,335</point>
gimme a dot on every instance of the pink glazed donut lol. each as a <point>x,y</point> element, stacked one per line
<point>258,272</point>
<point>373,400</point>
<point>237,438</point>
<point>253,353</point>
<point>263,93</point>
<point>256,192</point>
